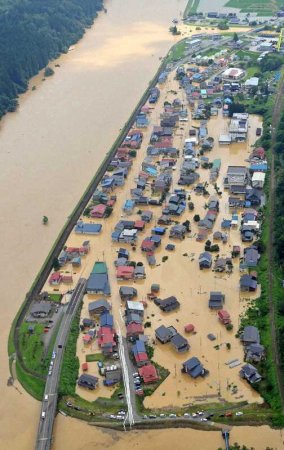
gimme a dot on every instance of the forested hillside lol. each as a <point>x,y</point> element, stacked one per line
<point>31,33</point>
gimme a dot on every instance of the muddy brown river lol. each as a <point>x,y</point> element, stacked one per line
<point>49,150</point>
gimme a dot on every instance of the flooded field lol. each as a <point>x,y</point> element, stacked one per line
<point>182,439</point>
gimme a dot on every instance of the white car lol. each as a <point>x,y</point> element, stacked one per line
<point>172,415</point>
<point>239,413</point>
<point>120,417</point>
<point>203,419</point>
<point>53,355</point>
<point>50,372</point>
<point>46,398</point>
<point>136,374</point>
<point>112,416</point>
<point>194,415</point>
<point>162,415</point>
<point>186,415</point>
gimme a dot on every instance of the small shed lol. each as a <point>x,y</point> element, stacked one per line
<point>189,328</point>
<point>85,367</point>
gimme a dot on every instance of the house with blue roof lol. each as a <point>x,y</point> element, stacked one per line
<point>106,320</point>
<point>88,228</point>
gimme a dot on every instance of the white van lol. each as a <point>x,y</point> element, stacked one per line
<point>43,415</point>
<point>46,398</point>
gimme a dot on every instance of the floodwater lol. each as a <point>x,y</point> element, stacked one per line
<point>51,147</point>
<point>180,439</point>
<point>49,150</point>
<point>179,276</point>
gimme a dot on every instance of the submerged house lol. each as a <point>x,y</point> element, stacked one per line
<point>205,260</point>
<point>216,300</point>
<point>168,304</point>
<point>179,343</point>
<point>193,367</point>
<point>98,282</point>
<point>250,373</point>
<point>164,334</point>
<point>127,293</point>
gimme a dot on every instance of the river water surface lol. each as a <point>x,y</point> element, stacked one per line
<point>49,150</point>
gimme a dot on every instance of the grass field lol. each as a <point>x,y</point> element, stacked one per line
<point>32,347</point>
<point>34,386</point>
<point>55,297</point>
<point>95,357</point>
<point>177,52</point>
<point>261,7</point>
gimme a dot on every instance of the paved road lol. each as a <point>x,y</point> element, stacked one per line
<point>127,371</point>
<point>44,436</point>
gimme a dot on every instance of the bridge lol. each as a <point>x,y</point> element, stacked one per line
<point>49,403</point>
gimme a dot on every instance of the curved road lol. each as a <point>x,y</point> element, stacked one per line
<point>48,409</point>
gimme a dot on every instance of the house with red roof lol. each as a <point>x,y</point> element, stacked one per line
<point>87,339</point>
<point>147,245</point>
<point>98,211</point>
<point>55,278</point>
<point>106,340</point>
<point>141,359</point>
<point>139,225</point>
<point>85,367</point>
<point>148,374</point>
<point>67,278</point>
<point>224,317</point>
<point>125,272</point>
<point>133,330</point>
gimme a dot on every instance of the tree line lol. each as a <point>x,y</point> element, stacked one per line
<point>32,32</point>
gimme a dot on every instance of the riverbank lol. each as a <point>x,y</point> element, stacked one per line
<point>185,439</point>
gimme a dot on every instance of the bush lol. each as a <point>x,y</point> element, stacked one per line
<point>196,218</point>
<point>55,264</point>
<point>147,324</point>
<point>229,327</point>
<point>191,206</point>
<point>48,72</point>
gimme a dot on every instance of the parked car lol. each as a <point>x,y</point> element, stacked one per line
<point>239,413</point>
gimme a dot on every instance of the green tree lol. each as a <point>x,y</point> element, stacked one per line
<point>235,37</point>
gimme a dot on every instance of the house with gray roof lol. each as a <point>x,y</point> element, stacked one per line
<point>251,256</point>
<point>250,373</point>
<point>250,335</point>
<point>88,381</point>
<point>216,300</point>
<point>164,334</point>
<point>99,307</point>
<point>127,292</point>
<point>40,309</point>
<point>254,352</point>
<point>205,260</point>
<point>193,367</point>
<point>180,343</point>
<point>248,283</point>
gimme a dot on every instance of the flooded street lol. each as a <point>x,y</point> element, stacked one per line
<point>51,147</point>
<point>179,276</point>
